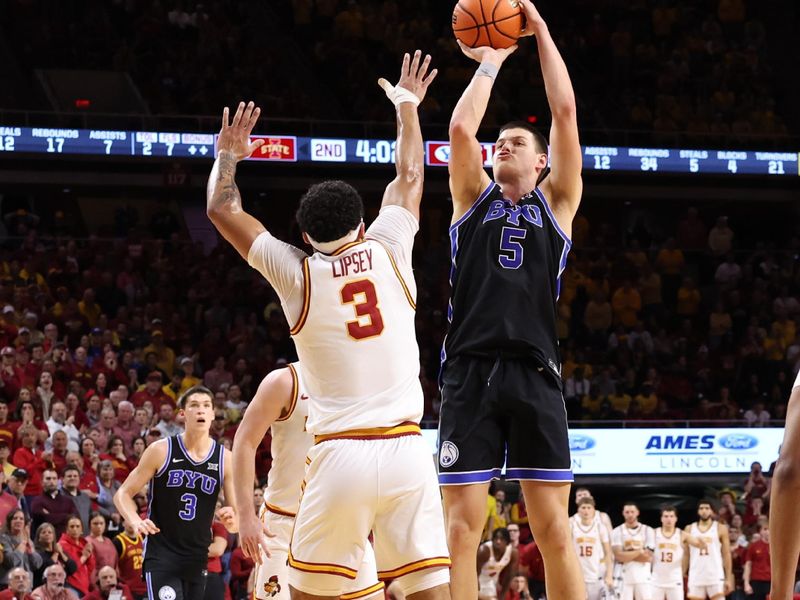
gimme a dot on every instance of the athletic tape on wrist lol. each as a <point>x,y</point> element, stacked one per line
<point>487,70</point>
<point>398,94</point>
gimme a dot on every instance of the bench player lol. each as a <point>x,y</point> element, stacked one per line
<point>633,543</point>
<point>501,369</point>
<point>671,544</point>
<point>710,568</point>
<point>350,306</point>
<point>593,546</point>
<point>185,472</point>
<point>280,404</point>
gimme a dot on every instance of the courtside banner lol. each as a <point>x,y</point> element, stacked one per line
<point>667,451</point>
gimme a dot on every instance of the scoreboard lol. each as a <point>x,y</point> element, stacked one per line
<point>286,148</point>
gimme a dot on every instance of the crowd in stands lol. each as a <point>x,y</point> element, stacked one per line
<point>703,68</point>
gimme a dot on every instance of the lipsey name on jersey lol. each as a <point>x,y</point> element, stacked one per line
<point>351,264</point>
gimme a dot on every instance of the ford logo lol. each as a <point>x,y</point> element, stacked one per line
<point>738,441</point>
<point>442,153</point>
<point>581,443</point>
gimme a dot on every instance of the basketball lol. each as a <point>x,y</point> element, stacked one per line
<point>495,23</point>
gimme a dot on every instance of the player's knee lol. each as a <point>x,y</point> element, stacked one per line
<point>552,535</point>
<point>462,534</point>
<point>787,472</point>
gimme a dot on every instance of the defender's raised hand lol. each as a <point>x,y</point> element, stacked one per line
<point>414,76</point>
<point>488,54</point>
<point>234,137</point>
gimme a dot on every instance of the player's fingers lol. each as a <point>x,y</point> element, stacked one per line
<point>225,117</point>
<point>254,146</point>
<point>423,68</point>
<point>253,118</point>
<point>263,546</point>
<point>415,63</point>
<point>431,76</point>
<point>238,116</point>
<point>406,62</point>
<point>385,85</point>
<point>248,112</point>
<point>267,532</point>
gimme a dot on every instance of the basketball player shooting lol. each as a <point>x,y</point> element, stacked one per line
<point>501,375</point>
<point>186,472</point>
<point>784,509</point>
<point>351,307</point>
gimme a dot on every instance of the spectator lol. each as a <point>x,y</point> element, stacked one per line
<point>141,418</point>
<point>53,587</point>
<point>720,238</point>
<point>108,421</point>
<point>126,428</point>
<point>626,303</point>
<point>519,589</point>
<point>106,584</point>
<point>17,485</point>
<point>757,416</point>
<point>531,565</point>
<point>51,506</point>
<point>688,299</point>
<point>45,392</point>
<point>51,552</point>
<point>80,551</point>
<point>82,504</point>
<point>188,380</point>
<point>12,377</point>
<point>670,263</point>
<point>19,585</point>
<point>218,376</point>
<point>8,429</point>
<point>727,508</point>
<point>139,446</point>
<point>91,462</point>
<point>215,585</point>
<point>8,501</point>
<point>129,547</point>
<point>59,421</point>
<point>165,356</point>
<point>27,415</point>
<point>107,485</point>
<point>166,424</point>
<point>5,453</point>
<point>59,451</point>
<point>116,454</point>
<point>152,391</point>
<point>757,566</point>
<point>31,459</point>
<point>17,543</point>
<point>241,569</point>
<point>105,554</point>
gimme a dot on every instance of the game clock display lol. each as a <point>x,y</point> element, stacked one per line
<point>287,148</point>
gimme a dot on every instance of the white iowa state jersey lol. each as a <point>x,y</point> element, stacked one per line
<point>635,538</point>
<point>705,565</point>
<point>290,444</point>
<point>588,542</point>
<point>356,340</point>
<point>668,559</point>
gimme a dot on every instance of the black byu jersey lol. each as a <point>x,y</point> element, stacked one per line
<point>183,499</point>
<point>506,264</point>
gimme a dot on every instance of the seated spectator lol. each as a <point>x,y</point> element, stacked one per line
<point>8,429</point>
<point>519,589</point>
<point>152,391</point>
<point>116,454</point>
<point>58,451</point>
<point>59,421</point>
<point>139,445</point>
<point>106,584</point>
<point>688,299</point>
<point>91,461</point>
<point>51,506</point>
<point>108,421</point>
<point>94,406</point>
<point>13,378</point>
<point>107,486</point>
<point>167,424</point>
<point>26,415</point>
<point>757,416</point>
<point>81,552</point>
<point>45,393</point>
<point>8,501</point>
<point>105,554</point>
<point>82,504</point>
<point>626,303</point>
<point>17,484</point>
<point>727,509</point>
<point>51,552</point>
<point>241,569</point>
<point>5,452</point>
<point>142,420</point>
<point>126,428</point>
<point>189,380</point>
<point>756,484</point>
<point>19,585</point>
<point>216,377</point>
<point>76,413</point>
<point>54,587</point>
<point>17,545</point>
<point>31,459</point>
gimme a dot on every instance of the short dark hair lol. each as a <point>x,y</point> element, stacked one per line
<point>630,503</point>
<point>329,210</point>
<point>671,509</point>
<point>538,137</point>
<point>195,389</point>
<point>586,500</point>
<point>70,467</point>
<point>502,532</point>
<point>706,501</point>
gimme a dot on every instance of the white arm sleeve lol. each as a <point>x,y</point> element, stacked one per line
<point>396,227</point>
<point>281,264</point>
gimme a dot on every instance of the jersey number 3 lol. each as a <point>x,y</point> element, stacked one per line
<point>363,290</point>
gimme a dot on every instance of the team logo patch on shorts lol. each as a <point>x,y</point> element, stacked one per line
<point>167,593</point>
<point>272,587</point>
<point>448,454</point>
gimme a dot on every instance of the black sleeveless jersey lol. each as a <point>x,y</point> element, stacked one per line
<point>506,264</point>
<point>183,499</point>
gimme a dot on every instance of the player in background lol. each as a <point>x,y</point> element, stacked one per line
<point>668,558</point>
<point>710,568</point>
<point>497,563</point>
<point>186,473</point>
<point>281,405</point>
<point>583,492</point>
<point>633,544</point>
<point>593,546</point>
<point>351,308</point>
<point>784,509</point>
<point>501,368</point>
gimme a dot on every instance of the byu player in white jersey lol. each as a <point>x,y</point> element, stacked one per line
<point>710,568</point>
<point>633,544</point>
<point>593,545</point>
<point>351,307</point>
<point>671,544</point>
<point>280,405</point>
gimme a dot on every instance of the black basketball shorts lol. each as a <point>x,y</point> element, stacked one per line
<point>166,585</point>
<point>499,411</point>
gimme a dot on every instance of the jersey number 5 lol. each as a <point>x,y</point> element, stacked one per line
<point>511,250</point>
<point>364,291</point>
